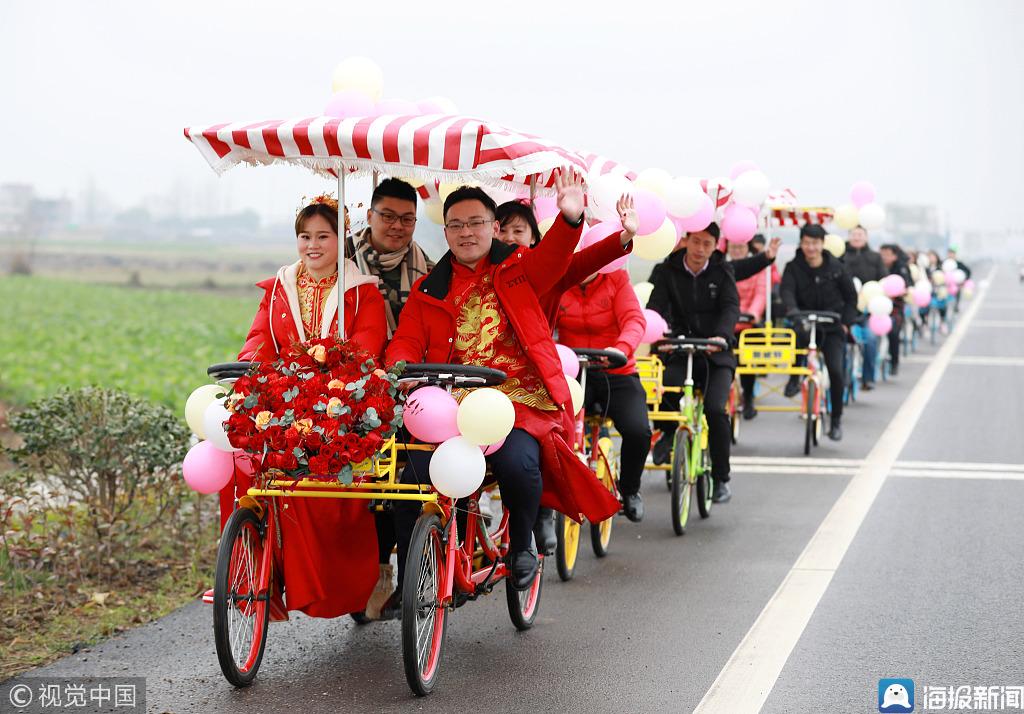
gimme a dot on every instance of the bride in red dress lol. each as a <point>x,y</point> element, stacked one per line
<point>329,554</point>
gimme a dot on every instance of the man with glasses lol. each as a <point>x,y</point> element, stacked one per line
<point>385,248</point>
<point>481,306</point>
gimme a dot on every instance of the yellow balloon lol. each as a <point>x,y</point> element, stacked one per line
<point>360,74</point>
<point>835,245</point>
<point>434,210</point>
<point>846,216</point>
<point>576,392</point>
<point>862,303</point>
<point>654,180</point>
<point>195,406</point>
<point>643,292</point>
<point>655,246</point>
<point>872,288</point>
<point>545,225</point>
<point>486,416</point>
<point>445,190</point>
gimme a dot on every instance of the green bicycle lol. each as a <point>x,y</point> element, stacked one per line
<point>690,464</point>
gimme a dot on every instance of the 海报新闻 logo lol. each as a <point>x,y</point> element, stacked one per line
<point>895,695</point>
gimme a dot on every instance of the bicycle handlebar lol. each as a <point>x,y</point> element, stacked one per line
<point>687,344</point>
<point>453,374</point>
<point>600,359</point>
<point>230,370</point>
<point>822,316</point>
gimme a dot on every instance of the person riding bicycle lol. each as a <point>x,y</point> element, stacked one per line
<point>329,562</point>
<point>753,300</point>
<point>866,265</point>
<point>817,280</point>
<point>481,306</point>
<point>896,263</point>
<point>603,313</point>
<point>696,294</point>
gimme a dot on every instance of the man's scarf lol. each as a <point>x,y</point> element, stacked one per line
<point>411,259</point>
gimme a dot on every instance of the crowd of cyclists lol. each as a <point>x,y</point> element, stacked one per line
<point>502,297</point>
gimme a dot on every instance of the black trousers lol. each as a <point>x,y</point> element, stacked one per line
<point>894,336</point>
<point>516,465</point>
<point>716,382</point>
<point>621,398</point>
<point>831,344</point>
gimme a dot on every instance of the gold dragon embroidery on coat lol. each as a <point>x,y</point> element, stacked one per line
<point>483,338</point>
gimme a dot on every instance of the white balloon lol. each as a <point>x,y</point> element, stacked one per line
<point>683,197</point>
<point>923,285</point>
<point>457,467</point>
<point>604,192</point>
<point>857,284</point>
<point>719,188</point>
<point>959,276</point>
<point>949,265</point>
<point>871,289</point>
<point>880,305</point>
<point>751,189</point>
<point>213,425</point>
<point>576,392</point>
<point>871,216</point>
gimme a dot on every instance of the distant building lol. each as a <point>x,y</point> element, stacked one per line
<point>15,204</point>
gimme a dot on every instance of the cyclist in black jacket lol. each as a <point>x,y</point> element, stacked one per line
<point>816,280</point>
<point>696,293</point>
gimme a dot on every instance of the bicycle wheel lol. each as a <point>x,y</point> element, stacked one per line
<point>524,604</point>
<point>810,398</point>
<point>240,611</point>
<point>680,481</point>
<point>601,533</point>
<point>704,485</point>
<point>424,621</point>
<point>568,547</point>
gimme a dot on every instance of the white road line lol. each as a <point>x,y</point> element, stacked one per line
<point>795,470</point>
<point>1004,305</point>
<point>743,685</point>
<point>998,323</point>
<point>974,475</point>
<point>792,460</point>
<point>988,361</point>
<point>959,466</point>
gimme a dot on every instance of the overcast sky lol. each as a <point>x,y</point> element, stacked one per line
<point>924,98</point>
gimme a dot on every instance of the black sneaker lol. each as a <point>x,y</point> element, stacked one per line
<point>792,386</point>
<point>523,568</point>
<point>836,432</point>
<point>749,412</point>
<point>721,492</point>
<point>633,507</point>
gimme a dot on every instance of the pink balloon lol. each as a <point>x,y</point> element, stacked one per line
<point>922,298</point>
<point>656,327</point>
<point>893,286</point>
<point>597,233</point>
<point>570,362</point>
<point>880,324</point>
<point>952,287</point>
<point>651,209</point>
<point>742,167</point>
<point>545,207</point>
<point>349,103</point>
<point>969,284</point>
<point>701,219</point>
<point>428,106</point>
<point>488,450</point>
<point>678,223</point>
<point>398,107</point>
<point>206,468</point>
<point>862,193</point>
<point>739,224</point>
<point>430,415</point>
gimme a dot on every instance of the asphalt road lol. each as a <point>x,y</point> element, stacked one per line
<point>929,589</point>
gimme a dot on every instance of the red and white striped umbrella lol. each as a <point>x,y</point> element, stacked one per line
<point>797,216</point>
<point>427,147</point>
<point>598,165</point>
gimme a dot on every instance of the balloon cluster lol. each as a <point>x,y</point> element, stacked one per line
<point>861,210</point>
<point>465,433</point>
<point>358,90</point>
<point>210,464</point>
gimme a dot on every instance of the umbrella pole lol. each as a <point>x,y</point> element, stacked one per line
<point>342,242</point>
<point>533,190</point>
<point>768,271</point>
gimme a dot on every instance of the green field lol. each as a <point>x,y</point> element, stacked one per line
<point>154,343</point>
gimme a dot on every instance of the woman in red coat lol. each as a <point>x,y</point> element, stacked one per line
<point>753,297</point>
<point>329,555</point>
<point>603,313</point>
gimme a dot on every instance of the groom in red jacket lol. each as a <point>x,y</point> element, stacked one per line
<point>480,306</point>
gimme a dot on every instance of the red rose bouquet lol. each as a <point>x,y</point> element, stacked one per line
<point>316,411</point>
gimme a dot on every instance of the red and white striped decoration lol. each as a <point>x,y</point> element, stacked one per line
<point>598,165</point>
<point>431,147</point>
<point>799,216</point>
